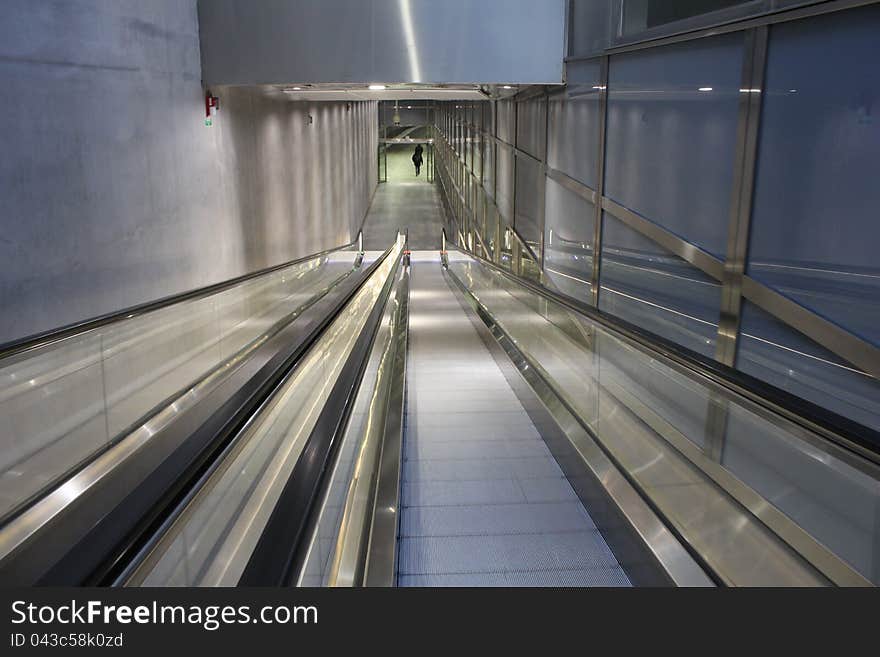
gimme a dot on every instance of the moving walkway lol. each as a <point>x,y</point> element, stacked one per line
<point>413,419</point>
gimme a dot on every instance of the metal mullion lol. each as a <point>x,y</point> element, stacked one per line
<point>687,251</point>
<point>848,346</point>
<point>600,179</point>
<point>542,207</point>
<point>734,25</point>
<point>513,165</point>
<point>572,184</point>
<point>754,63</point>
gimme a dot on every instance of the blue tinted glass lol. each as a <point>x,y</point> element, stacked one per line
<point>815,229</point>
<point>774,352</point>
<point>506,110</point>
<point>568,237</point>
<point>531,126</point>
<point>590,28</point>
<point>489,167</point>
<point>835,503</point>
<point>658,291</point>
<point>529,181</point>
<point>573,124</point>
<point>504,184</point>
<point>670,146</point>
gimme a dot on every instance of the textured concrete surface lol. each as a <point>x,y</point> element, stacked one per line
<point>112,190</point>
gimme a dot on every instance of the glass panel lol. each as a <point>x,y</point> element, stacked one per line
<point>840,511</point>
<point>506,125</point>
<point>775,352</point>
<point>590,29</point>
<point>568,237</point>
<point>656,290</point>
<point>529,185</point>
<point>653,420</point>
<point>64,402</point>
<point>54,415</point>
<point>815,232</point>
<point>670,145</point>
<point>355,454</point>
<point>573,138</point>
<point>641,15</point>
<point>531,128</point>
<point>213,539</point>
<point>505,183</point>
<point>489,166</point>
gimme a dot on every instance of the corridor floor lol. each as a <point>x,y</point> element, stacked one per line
<point>483,501</point>
<point>413,205</point>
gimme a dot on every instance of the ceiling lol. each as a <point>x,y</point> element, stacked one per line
<point>405,92</point>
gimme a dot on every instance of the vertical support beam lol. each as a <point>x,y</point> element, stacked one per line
<point>495,150</point>
<point>748,125</point>
<point>513,164</point>
<point>542,209</point>
<point>600,178</point>
<point>496,216</point>
<point>751,92</point>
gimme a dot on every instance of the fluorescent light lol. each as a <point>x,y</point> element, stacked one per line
<point>377,87</point>
<point>297,88</point>
<point>705,89</point>
<point>750,91</point>
<point>507,86</point>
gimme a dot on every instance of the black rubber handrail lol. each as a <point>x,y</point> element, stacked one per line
<point>44,338</point>
<point>279,556</point>
<point>847,433</point>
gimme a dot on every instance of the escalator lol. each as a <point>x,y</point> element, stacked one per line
<point>428,419</point>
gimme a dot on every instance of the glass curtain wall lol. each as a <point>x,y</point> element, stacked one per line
<point>725,181</point>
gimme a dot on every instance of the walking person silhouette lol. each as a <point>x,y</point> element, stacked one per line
<point>417,158</point>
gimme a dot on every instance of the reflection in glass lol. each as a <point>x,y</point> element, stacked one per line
<point>654,420</point>
<point>670,147</point>
<point>573,124</point>
<point>778,354</point>
<point>568,237</point>
<point>815,229</point>
<point>656,290</point>
<point>531,128</point>
<point>529,186</point>
<point>64,402</point>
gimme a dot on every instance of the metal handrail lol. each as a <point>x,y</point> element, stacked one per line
<point>45,338</point>
<point>365,550</point>
<point>117,503</point>
<point>824,560</point>
<point>844,432</point>
<point>280,553</point>
<point>523,243</point>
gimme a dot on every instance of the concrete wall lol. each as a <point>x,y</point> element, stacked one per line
<point>112,190</point>
<point>357,41</point>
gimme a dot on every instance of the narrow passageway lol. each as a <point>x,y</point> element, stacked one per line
<point>483,501</point>
<point>404,202</point>
<point>400,165</point>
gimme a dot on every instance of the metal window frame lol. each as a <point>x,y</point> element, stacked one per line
<point>707,25</point>
<point>739,223</point>
<point>730,272</point>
